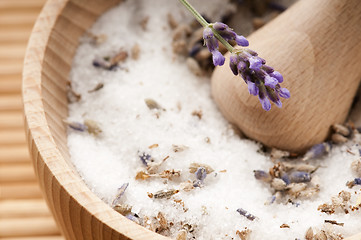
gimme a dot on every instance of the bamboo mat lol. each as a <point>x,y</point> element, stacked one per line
<point>23,212</point>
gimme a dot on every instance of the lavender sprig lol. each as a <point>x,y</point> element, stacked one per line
<point>262,80</point>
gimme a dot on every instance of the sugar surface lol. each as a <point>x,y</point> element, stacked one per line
<point>129,127</point>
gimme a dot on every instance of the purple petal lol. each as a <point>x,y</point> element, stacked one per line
<point>270,81</point>
<point>218,59</point>
<point>241,41</point>
<point>267,69</point>
<point>278,103</point>
<point>218,26</point>
<point>266,104</point>
<point>209,39</point>
<point>278,76</point>
<point>233,60</point>
<point>283,92</point>
<point>252,88</point>
<point>208,33</point>
<point>255,63</point>
<point>241,66</point>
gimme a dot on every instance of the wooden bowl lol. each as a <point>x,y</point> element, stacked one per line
<point>79,213</point>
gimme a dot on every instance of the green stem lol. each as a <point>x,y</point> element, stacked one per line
<point>195,13</point>
<point>204,23</point>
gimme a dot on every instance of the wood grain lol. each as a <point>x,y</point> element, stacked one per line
<point>27,208</point>
<point>315,45</point>
<point>79,213</point>
<point>40,226</point>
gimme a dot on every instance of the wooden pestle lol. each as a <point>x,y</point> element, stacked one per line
<point>316,46</point>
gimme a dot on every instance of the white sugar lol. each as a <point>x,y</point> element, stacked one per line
<point>129,127</point>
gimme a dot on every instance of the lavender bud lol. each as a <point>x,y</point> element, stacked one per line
<point>284,93</point>
<point>252,88</point>
<point>77,126</point>
<point>270,81</point>
<point>266,105</point>
<point>262,175</point>
<point>233,61</point>
<point>145,158</point>
<point>285,178</point>
<point>218,26</point>
<point>210,40</point>
<point>317,151</point>
<point>356,181</point>
<point>241,41</point>
<point>246,214</point>
<point>250,51</point>
<point>241,66</point>
<point>226,32</point>
<point>273,96</point>
<point>255,63</point>
<point>267,69</point>
<point>218,58</point>
<point>120,193</point>
<point>201,173</point>
<point>300,177</point>
<point>277,75</point>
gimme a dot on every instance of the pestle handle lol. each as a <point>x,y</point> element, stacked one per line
<point>316,45</point>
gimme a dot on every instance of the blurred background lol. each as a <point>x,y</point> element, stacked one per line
<point>23,212</point>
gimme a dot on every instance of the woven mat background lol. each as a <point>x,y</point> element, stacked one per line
<point>23,212</point>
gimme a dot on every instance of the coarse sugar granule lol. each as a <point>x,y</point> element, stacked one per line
<point>182,139</point>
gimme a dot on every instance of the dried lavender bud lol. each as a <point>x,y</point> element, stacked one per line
<point>92,127</point>
<point>76,125</point>
<point>278,184</point>
<point>334,222</point>
<point>97,87</point>
<point>338,138</point>
<point>120,193</point>
<point>341,129</point>
<point>152,104</point>
<point>201,173</point>
<point>262,175</point>
<point>123,209</point>
<point>299,177</point>
<point>246,214</point>
<point>193,167</point>
<point>317,151</point>
<point>165,193</point>
<point>145,158</point>
<point>356,181</point>
<point>133,217</point>
<point>356,167</point>
<point>285,178</point>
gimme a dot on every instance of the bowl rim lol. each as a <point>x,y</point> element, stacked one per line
<point>42,145</point>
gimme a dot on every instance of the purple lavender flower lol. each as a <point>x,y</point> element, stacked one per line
<point>261,79</point>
